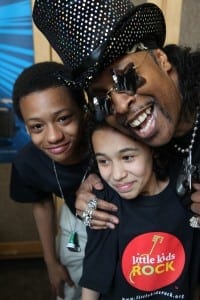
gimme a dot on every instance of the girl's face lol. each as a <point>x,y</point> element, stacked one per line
<point>126,165</point>
<point>54,122</point>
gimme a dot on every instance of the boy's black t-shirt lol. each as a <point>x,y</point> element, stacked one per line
<point>33,178</point>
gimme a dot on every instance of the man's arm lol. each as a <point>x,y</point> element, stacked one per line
<point>45,218</point>
<point>100,218</point>
<point>89,294</point>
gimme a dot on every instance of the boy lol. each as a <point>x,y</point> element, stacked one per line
<point>54,162</point>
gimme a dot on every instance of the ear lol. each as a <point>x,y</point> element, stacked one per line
<point>162,60</point>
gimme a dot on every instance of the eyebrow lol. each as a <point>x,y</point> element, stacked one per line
<point>121,151</point>
<point>129,149</point>
<point>56,113</point>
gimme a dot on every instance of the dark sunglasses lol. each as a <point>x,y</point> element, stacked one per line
<point>124,81</point>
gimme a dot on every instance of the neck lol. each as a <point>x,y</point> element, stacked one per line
<point>160,186</point>
<point>156,186</point>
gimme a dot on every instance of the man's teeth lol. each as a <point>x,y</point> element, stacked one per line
<point>140,119</point>
<point>135,123</point>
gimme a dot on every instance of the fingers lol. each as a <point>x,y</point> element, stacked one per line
<point>88,212</point>
<point>60,291</point>
<point>97,224</point>
<point>196,186</point>
<point>60,287</point>
<point>82,204</point>
<point>195,207</point>
<point>97,212</point>
<point>68,278</point>
<point>63,277</point>
<point>92,181</point>
<point>95,181</point>
<point>195,197</point>
<point>103,220</point>
<point>104,205</point>
<point>82,200</point>
<point>98,218</point>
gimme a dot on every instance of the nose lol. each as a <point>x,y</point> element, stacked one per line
<point>54,134</point>
<point>122,102</point>
<point>118,171</point>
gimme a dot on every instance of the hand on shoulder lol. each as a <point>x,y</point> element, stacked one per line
<point>101,218</point>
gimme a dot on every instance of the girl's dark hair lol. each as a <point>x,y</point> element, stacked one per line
<point>160,161</point>
<point>42,76</point>
<point>187,64</point>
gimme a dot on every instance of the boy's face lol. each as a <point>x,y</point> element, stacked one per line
<point>126,165</point>
<point>151,112</point>
<point>53,121</point>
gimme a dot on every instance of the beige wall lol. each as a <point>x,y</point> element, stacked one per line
<point>18,233</point>
<point>43,51</point>
<point>190,24</point>
<point>16,220</point>
<point>182,20</point>
<point>172,12</point>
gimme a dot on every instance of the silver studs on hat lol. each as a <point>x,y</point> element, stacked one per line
<point>89,33</point>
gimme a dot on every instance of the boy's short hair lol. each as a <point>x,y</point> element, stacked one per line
<point>41,76</point>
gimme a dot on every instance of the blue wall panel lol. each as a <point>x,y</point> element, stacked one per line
<point>16,53</point>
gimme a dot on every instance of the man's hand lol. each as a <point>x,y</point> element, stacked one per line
<point>195,197</point>
<point>100,219</point>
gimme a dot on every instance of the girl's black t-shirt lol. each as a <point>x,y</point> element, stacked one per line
<point>152,254</point>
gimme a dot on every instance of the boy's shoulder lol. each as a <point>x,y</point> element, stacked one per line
<point>29,155</point>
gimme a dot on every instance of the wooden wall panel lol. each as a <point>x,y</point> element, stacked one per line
<point>172,12</point>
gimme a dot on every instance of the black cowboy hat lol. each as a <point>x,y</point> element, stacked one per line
<point>88,35</point>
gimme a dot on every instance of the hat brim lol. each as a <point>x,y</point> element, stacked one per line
<point>145,23</point>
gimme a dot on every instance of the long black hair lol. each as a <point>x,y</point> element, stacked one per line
<point>187,64</point>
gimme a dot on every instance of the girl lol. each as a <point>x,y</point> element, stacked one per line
<point>153,253</point>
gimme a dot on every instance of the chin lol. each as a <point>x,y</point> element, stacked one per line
<point>127,197</point>
<point>158,139</point>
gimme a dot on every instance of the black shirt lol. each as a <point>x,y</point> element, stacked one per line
<point>33,178</point>
<point>152,254</point>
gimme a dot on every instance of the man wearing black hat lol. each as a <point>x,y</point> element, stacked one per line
<point>115,51</point>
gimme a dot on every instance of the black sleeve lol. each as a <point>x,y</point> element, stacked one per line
<point>21,189</point>
<point>100,259</point>
<point>101,253</point>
